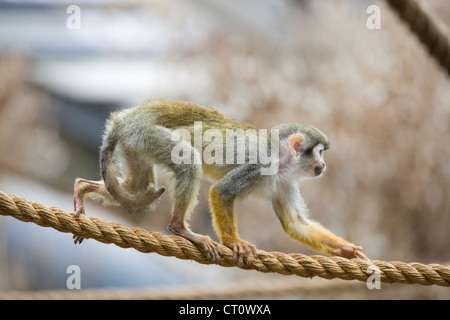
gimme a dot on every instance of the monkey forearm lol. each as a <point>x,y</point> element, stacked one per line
<point>224,218</point>
<point>224,221</point>
<point>317,237</point>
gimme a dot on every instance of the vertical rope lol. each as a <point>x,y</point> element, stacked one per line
<point>430,31</point>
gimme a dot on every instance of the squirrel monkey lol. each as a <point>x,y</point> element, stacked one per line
<point>140,138</point>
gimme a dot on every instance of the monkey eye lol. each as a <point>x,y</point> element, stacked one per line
<point>307,151</point>
<point>320,151</point>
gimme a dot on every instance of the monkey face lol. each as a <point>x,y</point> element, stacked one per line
<point>312,162</point>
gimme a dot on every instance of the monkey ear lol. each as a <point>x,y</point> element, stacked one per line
<point>295,143</point>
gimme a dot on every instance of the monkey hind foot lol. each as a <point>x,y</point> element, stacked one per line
<point>204,243</point>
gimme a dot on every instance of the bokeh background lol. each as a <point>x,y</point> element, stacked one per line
<point>383,102</point>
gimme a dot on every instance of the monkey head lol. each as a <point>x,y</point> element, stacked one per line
<point>302,149</point>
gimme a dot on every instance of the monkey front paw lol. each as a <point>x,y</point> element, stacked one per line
<point>350,252</point>
<point>242,250</point>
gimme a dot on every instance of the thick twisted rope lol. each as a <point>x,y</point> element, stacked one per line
<point>287,264</point>
<point>430,31</point>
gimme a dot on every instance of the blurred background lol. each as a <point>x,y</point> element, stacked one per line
<point>383,102</point>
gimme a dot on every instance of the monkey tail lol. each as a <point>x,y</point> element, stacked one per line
<point>129,201</point>
<point>108,172</point>
<point>106,153</point>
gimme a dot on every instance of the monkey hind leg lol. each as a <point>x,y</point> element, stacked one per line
<point>142,201</point>
<point>93,189</point>
<point>139,189</point>
<point>184,200</point>
<point>185,189</point>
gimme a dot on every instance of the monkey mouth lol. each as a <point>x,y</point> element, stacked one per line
<point>318,171</point>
